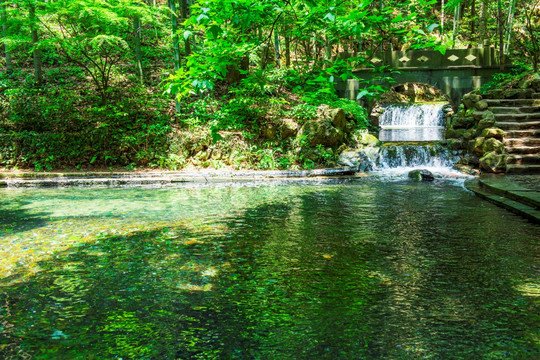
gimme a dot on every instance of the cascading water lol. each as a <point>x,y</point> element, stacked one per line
<point>403,122</point>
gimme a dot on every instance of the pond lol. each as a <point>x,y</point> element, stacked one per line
<point>372,269</point>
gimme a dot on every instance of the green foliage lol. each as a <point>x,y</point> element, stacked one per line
<point>303,112</point>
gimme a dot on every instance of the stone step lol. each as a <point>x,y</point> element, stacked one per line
<point>514,109</point>
<point>525,141</point>
<point>518,125</point>
<point>530,133</point>
<point>523,150</point>
<point>513,102</point>
<point>517,117</point>
<point>522,169</point>
<point>523,159</point>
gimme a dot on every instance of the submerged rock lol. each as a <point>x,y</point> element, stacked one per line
<point>421,175</point>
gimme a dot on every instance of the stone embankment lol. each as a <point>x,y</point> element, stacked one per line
<point>499,130</point>
<point>50,179</point>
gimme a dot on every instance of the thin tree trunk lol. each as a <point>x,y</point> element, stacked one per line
<point>276,46</point>
<point>137,28</point>
<point>473,17</point>
<point>442,17</point>
<point>287,50</point>
<point>483,22</point>
<point>500,25</point>
<point>38,72</point>
<point>509,25</point>
<point>457,15</point>
<point>185,15</point>
<point>174,26</point>
<point>176,48</point>
<point>9,68</point>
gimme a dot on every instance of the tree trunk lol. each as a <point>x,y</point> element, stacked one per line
<point>473,17</point>
<point>483,22</point>
<point>174,27</point>
<point>137,29</point>
<point>500,28</point>
<point>287,51</point>
<point>176,48</point>
<point>276,47</point>
<point>442,17</point>
<point>185,15</point>
<point>38,72</point>
<point>509,24</point>
<point>9,68</point>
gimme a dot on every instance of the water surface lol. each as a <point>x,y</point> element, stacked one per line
<point>369,270</point>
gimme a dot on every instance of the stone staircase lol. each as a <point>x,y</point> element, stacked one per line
<point>520,121</point>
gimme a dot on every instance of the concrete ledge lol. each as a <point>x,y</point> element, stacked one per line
<point>514,206</point>
<point>164,178</point>
<point>508,189</point>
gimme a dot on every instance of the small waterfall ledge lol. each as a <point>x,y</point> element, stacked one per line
<point>412,122</point>
<point>410,138</point>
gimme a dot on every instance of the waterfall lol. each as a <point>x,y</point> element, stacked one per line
<point>404,122</point>
<point>410,136</point>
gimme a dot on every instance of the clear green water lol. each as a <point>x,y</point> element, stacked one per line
<point>369,270</point>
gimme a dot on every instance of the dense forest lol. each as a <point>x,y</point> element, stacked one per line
<point>131,84</point>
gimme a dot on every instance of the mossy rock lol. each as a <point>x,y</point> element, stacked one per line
<point>493,162</point>
<point>494,94</point>
<point>288,128</point>
<point>492,145</point>
<point>481,105</point>
<point>454,133</point>
<point>456,144</point>
<point>478,146</point>
<point>493,133</point>
<point>365,139</point>
<point>421,175</point>
<point>463,122</point>
<point>469,100</point>
<point>485,123</point>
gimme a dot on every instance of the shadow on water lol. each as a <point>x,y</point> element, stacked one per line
<point>319,276</point>
<point>14,218</point>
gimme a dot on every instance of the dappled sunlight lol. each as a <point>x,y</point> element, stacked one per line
<point>367,270</point>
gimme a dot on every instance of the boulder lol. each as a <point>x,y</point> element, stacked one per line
<point>494,94</point>
<point>312,133</point>
<point>469,134</point>
<point>519,94</point>
<point>455,144</point>
<point>493,162</point>
<point>333,136</point>
<point>268,131</point>
<point>492,145</point>
<point>337,117</point>
<point>288,128</point>
<point>421,175</point>
<point>481,105</point>
<point>366,140</point>
<point>486,123</point>
<point>478,146</point>
<point>469,100</point>
<point>535,83</point>
<point>454,133</point>
<point>493,133</point>
<point>349,158</point>
<point>463,122</point>
<point>479,115</point>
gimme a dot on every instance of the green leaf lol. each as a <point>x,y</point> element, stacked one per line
<point>432,27</point>
<point>202,17</point>
<point>330,17</point>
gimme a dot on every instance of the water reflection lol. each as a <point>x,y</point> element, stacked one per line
<point>371,270</point>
